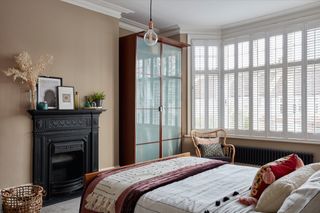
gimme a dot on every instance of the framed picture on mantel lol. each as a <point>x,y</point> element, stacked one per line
<point>66,97</point>
<point>47,90</point>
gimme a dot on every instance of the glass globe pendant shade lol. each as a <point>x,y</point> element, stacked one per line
<point>150,37</point>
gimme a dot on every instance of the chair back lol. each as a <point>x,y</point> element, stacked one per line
<point>208,134</point>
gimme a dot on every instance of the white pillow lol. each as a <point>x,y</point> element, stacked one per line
<point>274,195</point>
<point>305,199</point>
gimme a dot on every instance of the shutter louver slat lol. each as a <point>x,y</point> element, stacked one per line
<point>199,101</point>
<point>229,57</point>
<point>276,49</point>
<point>243,55</point>
<point>258,52</point>
<point>276,100</point>
<point>294,99</point>
<point>313,44</point>
<point>313,98</point>
<point>229,101</point>
<point>205,87</point>
<point>213,101</point>
<point>258,100</point>
<point>243,100</point>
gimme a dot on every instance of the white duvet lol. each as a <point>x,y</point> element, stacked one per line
<point>201,192</point>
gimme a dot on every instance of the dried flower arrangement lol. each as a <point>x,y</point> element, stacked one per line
<point>29,72</point>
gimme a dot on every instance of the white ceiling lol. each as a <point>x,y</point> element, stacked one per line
<point>205,14</point>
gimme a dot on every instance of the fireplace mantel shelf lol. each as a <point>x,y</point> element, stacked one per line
<point>65,112</point>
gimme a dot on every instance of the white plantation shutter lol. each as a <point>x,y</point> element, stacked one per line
<point>313,44</point>
<point>213,101</point>
<point>243,100</point>
<point>313,81</point>
<point>199,58</point>
<point>294,46</point>
<point>229,105</point>
<point>276,49</point>
<point>294,99</point>
<point>243,54</point>
<point>270,87</point>
<point>258,47</point>
<point>229,57</point>
<point>258,100</point>
<point>276,104</point>
<point>199,101</point>
<point>205,110</point>
<point>212,58</point>
<point>313,98</point>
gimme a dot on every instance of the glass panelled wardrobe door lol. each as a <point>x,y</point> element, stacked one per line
<point>147,101</point>
<point>171,99</point>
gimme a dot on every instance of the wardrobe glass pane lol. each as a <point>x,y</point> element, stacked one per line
<point>147,152</point>
<point>171,147</point>
<point>147,92</point>
<point>171,92</point>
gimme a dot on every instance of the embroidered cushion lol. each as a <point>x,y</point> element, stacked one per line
<point>211,150</point>
<point>273,171</point>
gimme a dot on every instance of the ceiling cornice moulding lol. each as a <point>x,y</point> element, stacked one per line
<point>100,6</point>
<point>133,26</point>
<point>305,10</point>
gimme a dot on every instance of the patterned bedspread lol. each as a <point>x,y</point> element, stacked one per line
<point>213,191</point>
<point>120,189</point>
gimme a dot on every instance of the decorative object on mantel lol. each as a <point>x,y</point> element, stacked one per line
<point>150,37</point>
<point>77,100</point>
<point>66,97</point>
<point>94,101</point>
<point>98,98</point>
<point>42,106</point>
<point>47,90</point>
<point>29,72</point>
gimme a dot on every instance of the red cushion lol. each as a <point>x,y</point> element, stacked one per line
<point>285,167</point>
<point>279,168</point>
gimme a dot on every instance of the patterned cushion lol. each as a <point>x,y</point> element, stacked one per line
<point>206,140</point>
<point>211,150</point>
<point>279,168</point>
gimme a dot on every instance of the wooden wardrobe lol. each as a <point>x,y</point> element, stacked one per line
<point>150,98</point>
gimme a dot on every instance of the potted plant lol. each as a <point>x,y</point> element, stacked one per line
<point>98,98</point>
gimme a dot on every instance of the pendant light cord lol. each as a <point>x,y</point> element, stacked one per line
<point>150,10</point>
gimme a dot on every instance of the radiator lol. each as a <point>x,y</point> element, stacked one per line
<point>261,156</point>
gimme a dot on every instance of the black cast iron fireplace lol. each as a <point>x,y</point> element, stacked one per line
<point>65,147</point>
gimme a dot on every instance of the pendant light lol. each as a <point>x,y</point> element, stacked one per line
<point>150,37</point>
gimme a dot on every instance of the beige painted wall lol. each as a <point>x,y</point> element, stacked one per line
<point>85,49</point>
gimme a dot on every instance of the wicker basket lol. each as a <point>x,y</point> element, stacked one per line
<point>22,199</point>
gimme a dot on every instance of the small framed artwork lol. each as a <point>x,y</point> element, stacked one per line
<point>47,90</point>
<point>66,97</point>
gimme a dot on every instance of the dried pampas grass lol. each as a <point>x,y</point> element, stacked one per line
<point>28,72</point>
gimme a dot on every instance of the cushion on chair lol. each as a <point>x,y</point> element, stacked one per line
<point>211,150</point>
<point>206,140</point>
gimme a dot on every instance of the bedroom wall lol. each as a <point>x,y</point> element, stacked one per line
<point>85,49</point>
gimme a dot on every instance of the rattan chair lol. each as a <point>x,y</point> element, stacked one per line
<point>228,149</point>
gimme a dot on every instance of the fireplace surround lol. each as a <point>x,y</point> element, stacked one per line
<point>65,147</point>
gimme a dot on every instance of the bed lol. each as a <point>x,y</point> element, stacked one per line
<point>185,184</point>
<point>179,184</point>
